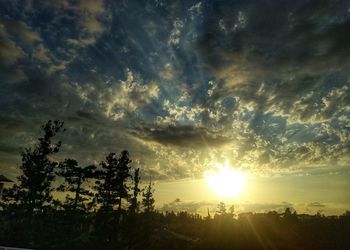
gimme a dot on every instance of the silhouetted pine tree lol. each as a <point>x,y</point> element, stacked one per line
<point>208,217</point>
<point>112,184</point>
<point>34,191</point>
<point>148,200</point>
<point>123,173</point>
<point>290,216</point>
<point>221,212</point>
<point>134,206</point>
<point>74,177</point>
<point>231,210</point>
<point>221,209</point>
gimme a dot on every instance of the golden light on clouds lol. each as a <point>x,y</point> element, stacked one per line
<point>226,181</point>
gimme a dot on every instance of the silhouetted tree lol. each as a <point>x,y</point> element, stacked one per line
<point>134,206</point>
<point>148,200</point>
<point>123,173</point>
<point>34,189</point>
<point>74,177</point>
<point>231,210</point>
<point>111,186</point>
<point>289,215</point>
<point>221,209</point>
<point>287,212</point>
<point>208,217</point>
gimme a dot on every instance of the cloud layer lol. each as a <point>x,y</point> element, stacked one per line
<point>180,84</point>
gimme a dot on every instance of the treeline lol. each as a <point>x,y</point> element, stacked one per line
<point>88,188</point>
<point>105,208</point>
<point>101,205</point>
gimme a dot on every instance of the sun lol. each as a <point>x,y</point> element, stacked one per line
<point>226,181</point>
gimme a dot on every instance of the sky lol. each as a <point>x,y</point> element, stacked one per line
<point>184,86</point>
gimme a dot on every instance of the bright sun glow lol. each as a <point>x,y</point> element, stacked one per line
<point>226,181</point>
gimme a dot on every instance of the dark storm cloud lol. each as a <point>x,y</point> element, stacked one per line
<point>183,136</point>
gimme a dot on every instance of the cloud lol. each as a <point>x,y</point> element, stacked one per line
<point>87,18</point>
<point>92,14</point>
<point>22,30</point>
<point>183,136</point>
<point>189,206</point>
<point>91,6</point>
<point>177,113</point>
<point>121,98</point>
<point>195,10</point>
<point>263,207</point>
<point>205,81</point>
<point>289,68</point>
<point>175,34</point>
<point>167,73</point>
<point>81,41</point>
<point>10,52</point>
<point>316,204</point>
<point>42,54</point>
<point>202,207</point>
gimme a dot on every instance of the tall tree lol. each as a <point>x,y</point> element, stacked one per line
<point>221,209</point>
<point>123,174</point>
<point>134,206</point>
<point>74,177</point>
<point>148,200</point>
<point>232,210</point>
<point>35,184</point>
<point>112,184</point>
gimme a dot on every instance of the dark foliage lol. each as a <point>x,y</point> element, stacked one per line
<point>74,178</point>
<point>111,185</point>
<point>35,184</point>
<point>134,204</point>
<point>148,200</point>
<point>108,230</point>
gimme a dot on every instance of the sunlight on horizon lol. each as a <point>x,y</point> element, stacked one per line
<point>226,181</point>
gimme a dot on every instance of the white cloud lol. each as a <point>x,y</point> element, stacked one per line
<point>175,34</point>
<point>178,113</point>
<point>120,98</point>
<point>195,10</point>
<point>211,88</point>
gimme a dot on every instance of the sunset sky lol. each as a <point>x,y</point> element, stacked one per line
<point>261,87</point>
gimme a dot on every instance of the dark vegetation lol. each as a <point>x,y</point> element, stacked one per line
<point>105,208</point>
